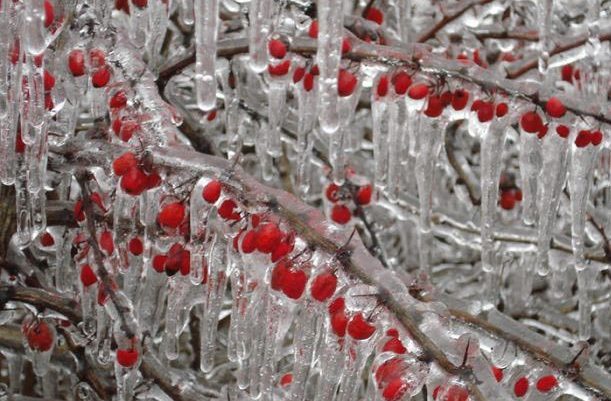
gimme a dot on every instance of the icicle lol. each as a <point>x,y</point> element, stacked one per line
<point>306,328</point>
<point>381,122</point>
<point>258,316</point>
<point>304,176</point>
<point>34,28</point>
<point>332,363</point>
<point>276,101</point>
<point>394,151</point>
<point>337,156</point>
<point>404,19</point>
<point>358,353</point>
<point>491,162</point>
<point>178,289</point>
<point>328,56</point>
<point>546,43</point>
<point>206,29</point>
<point>215,290</point>
<point>185,10</point>
<point>530,166</point>
<point>585,282</point>
<point>306,115</point>
<point>126,381</point>
<point>551,181</point>
<point>235,340</point>
<point>23,211</point>
<point>430,137</point>
<point>275,311</point>
<point>260,26</point>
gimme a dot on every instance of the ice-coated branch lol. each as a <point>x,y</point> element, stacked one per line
<point>459,10</point>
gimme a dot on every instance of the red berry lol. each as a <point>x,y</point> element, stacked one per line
<point>567,73</point>
<point>286,379</point>
<point>88,277</point>
<point>128,128</point>
<point>389,371</point>
<point>543,131</point>
<point>313,31</point>
<point>497,373</point>
<point>332,192</point>
<point>127,357</point>
<point>276,48</point>
<point>460,98</point>
<point>502,109</point>
<point>314,70</point>
<point>279,69</point>
<point>359,328</point>
<point>401,81</point>
<point>395,389</point>
<point>47,240</point>
<point>100,77</point>
<point>97,58</point>
<point>521,387</point>
<point>340,214</point>
<point>212,191</point>
<point>140,3</point>
<point>49,80</point>
<point>563,131</point>
<point>323,286</point>
<point>583,139</point>
<point>555,108</point>
<point>476,105</point>
<point>375,15</point>
<point>227,210</point>
<point>298,74</point>
<point>394,345</point>
<point>116,126</point>
<point>278,273</point>
<point>456,393</point>
<point>339,322</point>
<point>547,383</point>
<point>19,144</point>
<point>283,249</point>
<point>118,100</point>
<point>134,182</point>
<point>363,195</point>
<point>124,163</point>
<point>79,214</point>
<point>508,200</point>
<point>159,263</point>
<point>294,283</point>
<point>346,83</point>
<point>135,246</point>
<point>268,237</point>
<point>346,46</point>
<point>179,259</point>
<point>382,88</point>
<point>531,122</point>
<point>517,194</point>
<point>172,215</point>
<point>76,62</point>
<point>39,336</point>
<point>392,332</point>
<point>434,108</point>
<point>49,13</point>
<point>249,242</point>
<point>308,82</point>
<point>418,91</point>
<point>106,242</point>
<point>485,112</point>
<point>337,305</point>
<point>596,138</point>
<point>211,115</point>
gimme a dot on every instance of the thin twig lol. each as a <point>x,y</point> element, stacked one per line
<point>447,19</point>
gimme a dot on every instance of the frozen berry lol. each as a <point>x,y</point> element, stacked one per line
<point>583,139</point>
<point>460,98</point>
<point>521,387</point>
<point>485,113</point>
<point>531,122</point>
<point>135,246</point>
<point>134,182</point>
<point>382,88</point>
<point>363,194</point>
<point>401,81</point>
<point>127,357</point>
<point>313,30</point>
<point>374,14</point>
<point>47,240</point>
<point>39,336</point>
<point>340,214</point>
<point>124,163</point>
<point>227,210</point>
<point>555,108</point>
<point>172,215</point>
<point>279,69</point>
<point>563,131</point>
<point>88,277</point>
<point>418,91</point>
<point>118,100</point>
<point>547,383</point>
<point>100,77</point>
<point>212,191</point>
<point>323,286</point>
<point>434,107</point>
<point>76,62</point>
<point>359,328</point>
<point>346,83</point>
<point>276,48</point>
<point>502,109</point>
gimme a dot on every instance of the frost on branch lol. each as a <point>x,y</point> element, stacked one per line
<point>305,201</point>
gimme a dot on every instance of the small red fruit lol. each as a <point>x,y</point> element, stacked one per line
<point>140,3</point>
<point>323,286</point>
<point>555,108</point>
<point>332,192</point>
<point>279,69</point>
<point>159,263</point>
<point>135,246</point>
<point>596,138</point>
<point>106,242</point>
<point>118,100</point>
<point>298,74</point>
<point>389,370</point>
<point>456,393</point>
<point>286,379</point>
<point>127,357</point>
<point>567,73</point>
<point>531,122</point>
<point>520,387</point>
<point>363,195</point>
<point>382,88</point>
<point>227,210</point>
<point>547,383</point>
<point>47,240</point>
<point>268,237</point>
<point>434,108</point>
<point>87,276</point>
<point>39,336</point>
<point>97,58</point>
<point>339,322</point>
<point>460,98</point>
<point>359,328</point>
<point>313,31</point>
<point>502,109</point>
<point>346,83</point>
<point>101,77</point>
<point>394,345</point>
<point>337,305</point>
<point>79,214</point>
<point>212,191</point>
<point>76,62</point>
<point>276,48</point>
<point>134,182</point>
<point>395,389</point>
<point>392,333</point>
<point>401,81</point>
<point>172,215</point>
<point>346,46</point>
<point>563,131</point>
<point>508,200</point>
<point>418,91</point>
<point>485,113</point>
<point>48,80</point>
<point>124,163</point>
<point>497,373</point>
<point>249,242</point>
<point>308,82</point>
<point>49,13</point>
<point>294,283</point>
<point>340,214</point>
<point>375,15</point>
<point>583,139</point>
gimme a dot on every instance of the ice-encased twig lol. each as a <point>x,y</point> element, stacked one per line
<point>206,31</point>
<point>530,166</point>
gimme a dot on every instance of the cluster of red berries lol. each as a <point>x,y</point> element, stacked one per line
<point>227,209</point>
<point>544,384</point>
<point>124,123</point>
<point>39,335</point>
<point>307,75</point>
<point>264,237</point>
<point>570,74</point>
<point>135,179</point>
<point>101,72</point>
<point>356,325</point>
<point>177,259</point>
<point>587,137</point>
<point>341,213</point>
<point>509,197</point>
<point>389,375</point>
